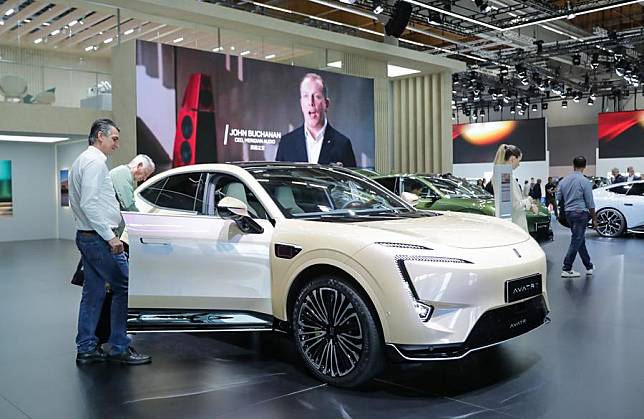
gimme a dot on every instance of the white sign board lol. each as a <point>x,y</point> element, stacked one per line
<point>502,190</point>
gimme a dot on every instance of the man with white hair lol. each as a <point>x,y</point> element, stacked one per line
<point>125,176</point>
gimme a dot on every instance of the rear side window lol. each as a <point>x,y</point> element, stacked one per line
<point>182,192</point>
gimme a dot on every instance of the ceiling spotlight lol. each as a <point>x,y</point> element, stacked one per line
<point>482,112</point>
<point>564,104</point>
<point>556,89</point>
<point>506,99</point>
<point>378,7</point>
<point>497,107</point>
<point>594,61</point>
<point>577,97</point>
<point>534,107</point>
<point>453,116</point>
<point>620,68</point>
<point>591,102</point>
<point>512,109</point>
<point>503,71</point>
<point>539,44</point>
<point>455,79</point>
<point>435,19</point>
<point>544,106</point>
<point>521,71</point>
<point>9,12</point>
<point>576,59</point>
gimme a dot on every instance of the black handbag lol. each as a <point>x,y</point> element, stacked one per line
<point>561,217</point>
<point>79,278</point>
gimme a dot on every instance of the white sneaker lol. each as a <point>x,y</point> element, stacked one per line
<point>589,272</point>
<point>570,274</point>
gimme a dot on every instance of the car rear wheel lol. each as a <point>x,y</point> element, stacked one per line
<point>610,223</point>
<point>336,333</point>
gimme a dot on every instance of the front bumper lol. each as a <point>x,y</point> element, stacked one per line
<point>493,327</point>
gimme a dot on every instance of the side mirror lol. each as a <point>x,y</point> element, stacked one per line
<point>233,209</point>
<point>410,198</point>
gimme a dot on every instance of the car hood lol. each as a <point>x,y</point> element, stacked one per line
<point>465,231</point>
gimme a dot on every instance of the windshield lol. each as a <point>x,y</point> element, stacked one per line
<point>449,189</point>
<point>475,190</point>
<point>305,192</point>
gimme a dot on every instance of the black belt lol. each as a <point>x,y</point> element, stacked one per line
<point>92,232</point>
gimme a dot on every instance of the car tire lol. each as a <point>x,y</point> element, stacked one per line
<point>344,356</point>
<point>610,222</point>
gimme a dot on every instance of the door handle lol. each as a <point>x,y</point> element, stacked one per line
<point>628,205</point>
<point>152,241</point>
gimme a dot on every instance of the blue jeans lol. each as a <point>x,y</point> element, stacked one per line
<point>100,265</point>
<point>578,221</point>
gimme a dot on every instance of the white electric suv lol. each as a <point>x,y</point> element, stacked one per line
<point>347,267</point>
<point>620,208</point>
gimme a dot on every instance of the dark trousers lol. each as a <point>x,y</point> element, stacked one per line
<point>101,266</point>
<point>578,221</point>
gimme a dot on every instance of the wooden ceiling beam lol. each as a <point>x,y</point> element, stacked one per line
<point>36,22</point>
<point>45,31</point>
<point>98,40</point>
<point>23,14</point>
<point>88,22</point>
<point>105,25</point>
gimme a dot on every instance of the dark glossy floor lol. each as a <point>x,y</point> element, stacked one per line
<point>588,363</point>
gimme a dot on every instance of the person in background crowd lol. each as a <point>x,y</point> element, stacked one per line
<point>96,214</point>
<point>526,189</point>
<point>579,205</point>
<point>510,154</point>
<point>550,195</point>
<point>617,177</point>
<point>535,192</point>
<point>631,174</point>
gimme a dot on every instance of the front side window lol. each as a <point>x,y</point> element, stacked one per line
<point>620,190</point>
<point>416,187</point>
<point>182,192</point>
<point>302,192</point>
<point>221,185</point>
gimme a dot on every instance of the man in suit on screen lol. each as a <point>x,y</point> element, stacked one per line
<point>316,141</point>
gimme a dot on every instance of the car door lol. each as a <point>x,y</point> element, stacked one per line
<point>196,260</point>
<point>633,205</point>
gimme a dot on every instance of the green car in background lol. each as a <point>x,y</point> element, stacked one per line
<point>453,194</point>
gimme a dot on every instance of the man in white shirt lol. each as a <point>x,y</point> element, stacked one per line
<point>96,214</point>
<point>631,174</point>
<point>316,141</point>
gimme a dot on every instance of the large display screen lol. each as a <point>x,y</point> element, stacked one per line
<point>200,107</point>
<point>621,134</point>
<point>478,143</point>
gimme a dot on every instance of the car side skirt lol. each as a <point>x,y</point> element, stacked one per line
<point>494,327</point>
<point>191,320</point>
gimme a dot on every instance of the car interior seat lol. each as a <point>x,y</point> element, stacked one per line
<point>284,195</point>
<point>237,190</point>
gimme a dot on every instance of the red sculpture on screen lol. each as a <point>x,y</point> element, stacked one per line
<point>195,137</point>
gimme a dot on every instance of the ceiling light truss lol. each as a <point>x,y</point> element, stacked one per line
<point>36,22</point>
<point>58,23</point>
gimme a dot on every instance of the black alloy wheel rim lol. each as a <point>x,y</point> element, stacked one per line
<point>609,223</point>
<point>329,332</point>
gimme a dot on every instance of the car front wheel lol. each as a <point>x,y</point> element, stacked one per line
<point>336,334</point>
<point>610,223</point>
